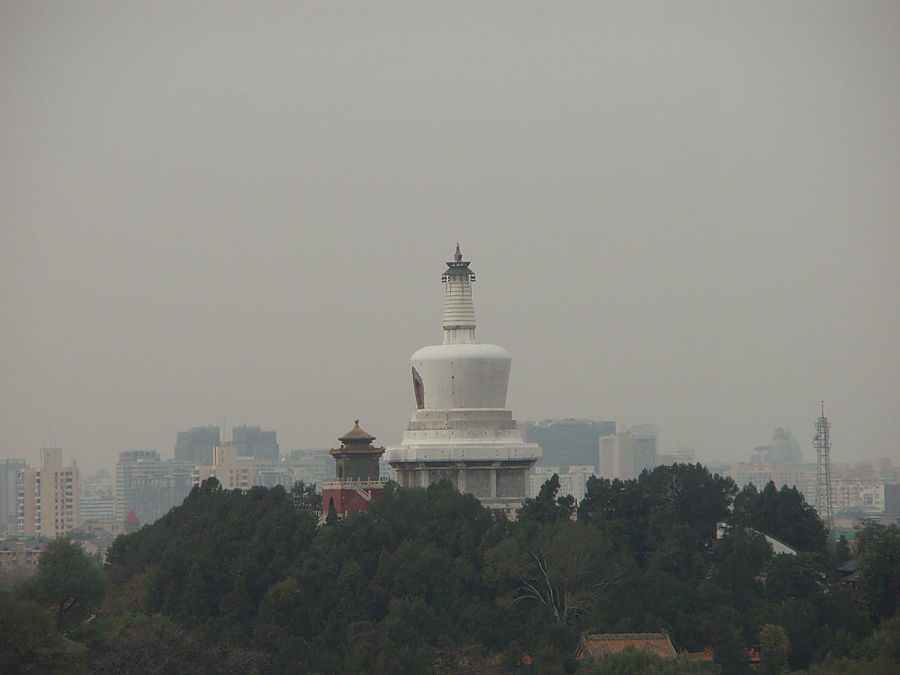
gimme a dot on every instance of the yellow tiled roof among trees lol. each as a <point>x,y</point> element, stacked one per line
<point>612,643</point>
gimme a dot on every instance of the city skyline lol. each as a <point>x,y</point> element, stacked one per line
<point>680,215</point>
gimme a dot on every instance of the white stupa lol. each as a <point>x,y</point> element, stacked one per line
<point>462,430</point>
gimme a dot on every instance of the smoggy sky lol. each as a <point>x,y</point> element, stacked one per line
<point>680,213</point>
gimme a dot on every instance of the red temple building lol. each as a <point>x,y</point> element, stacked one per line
<point>356,481</point>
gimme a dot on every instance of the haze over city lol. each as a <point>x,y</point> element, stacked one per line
<point>225,214</point>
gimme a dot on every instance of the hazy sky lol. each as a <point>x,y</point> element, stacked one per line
<point>680,213</point>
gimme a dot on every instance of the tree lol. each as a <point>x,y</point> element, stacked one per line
<point>783,514</point>
<point>842,552</point>
<point>878,562</point>
<point>562,567</point>
<point>774,647</point>
<point>26,635</point>
<point>306,497</point>
<point>547,507</point>
<point>740,557</point>
<point>67,580</point>
<point>633,662</point>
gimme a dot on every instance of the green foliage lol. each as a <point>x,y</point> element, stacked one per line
<point>774,647</point>
<point>68,581</point>
<point>157,644</point>
<point>561,567</point>
<point>306,497</point>
<point>27,636</point>
<point>878,655</point>
<point>842,552</point>
<point>429,580</point>
<point>548,507</point>
<point>782,514</point>
<point>633,662</point>
<point>878,563</point>
<point>644,510</point>
<point>192,557</point>
<point>739,560</point>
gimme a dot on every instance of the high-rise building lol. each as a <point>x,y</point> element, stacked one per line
<point>47,498</point>
<point>310,466</point>
<point>254,442</point>
<point>9,469</point>
<point>568,442</point>
<point>148,485</point>
<point>97,508</point>
<point>461,430</point>
<point>646,438</point>
<point>231,471</point>
<point>680,454</point>
<point>196,446</point>
<point>616,456</point>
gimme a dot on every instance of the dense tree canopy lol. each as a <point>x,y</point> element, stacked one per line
<point>782,514</point>
<point>878,553</point>
<point>429,580</point>
<point>67,580</point>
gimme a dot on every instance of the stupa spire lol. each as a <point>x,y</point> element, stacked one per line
<point>459,312</point>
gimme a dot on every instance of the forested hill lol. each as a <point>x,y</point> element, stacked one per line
<point>430,581</point>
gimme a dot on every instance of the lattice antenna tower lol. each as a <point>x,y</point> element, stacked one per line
<point>822,444</point>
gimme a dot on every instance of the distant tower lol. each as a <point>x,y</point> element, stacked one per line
<point>822,444</point>
<point>461,430</point>
<point>356,480</point>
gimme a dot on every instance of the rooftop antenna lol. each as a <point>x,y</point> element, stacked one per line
<point>822,444</point>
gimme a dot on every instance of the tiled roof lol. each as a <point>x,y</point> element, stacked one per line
<point>612,643</point>
<point>356,434</point>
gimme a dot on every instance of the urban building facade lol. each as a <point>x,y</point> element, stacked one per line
<point>572,482</point>
<point>680,454</point>
<point>9,470</point>
<point>197,445</point>
<point>148,485</point>
<point>310,466</point>
<point>47,497</point>
<point>644,443</point>
<point>232,472</point>
<point>254,442</point>
<point>616,456</point>
<point>568,442</point>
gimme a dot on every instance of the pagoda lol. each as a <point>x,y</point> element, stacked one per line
<point>461,430</point>
<point>357,481</point>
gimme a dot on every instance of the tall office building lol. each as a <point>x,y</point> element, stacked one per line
<point>254,442</point>
<point>196,445</point>
<point>461,430</point>
<point>149,486</point>
<point>47,498</point>
<point>9,469</point>
<point>310,466</point>
<point>568,442</point>
<point>646,440</point>
<point>232,472</point>
<point>616,456</point>
<point>680,454</point>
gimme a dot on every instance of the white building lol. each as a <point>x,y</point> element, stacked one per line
<point>461,430</point>
<point>616,456</point>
